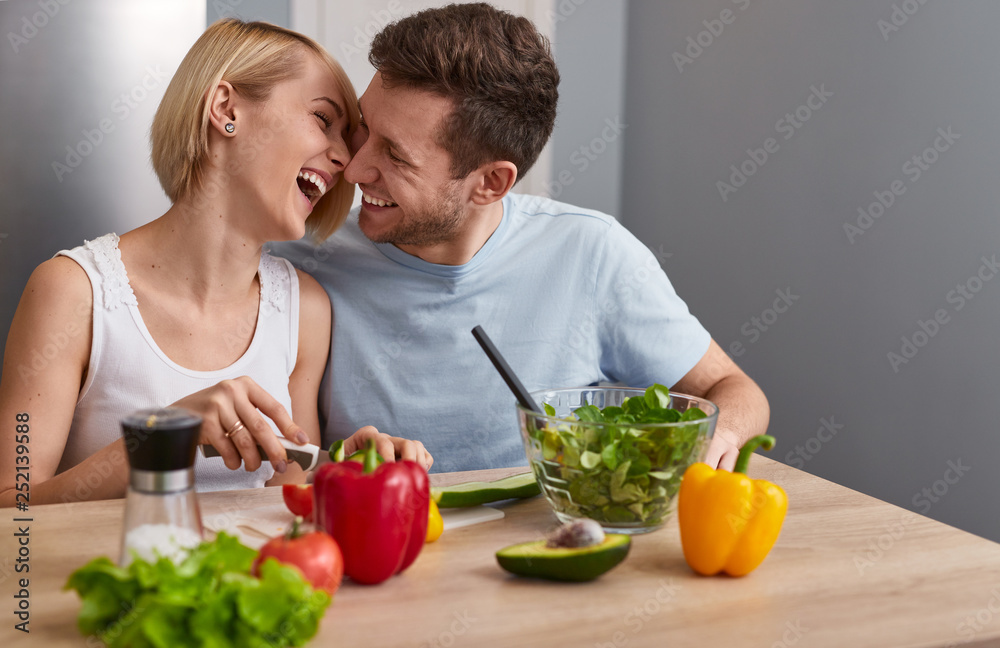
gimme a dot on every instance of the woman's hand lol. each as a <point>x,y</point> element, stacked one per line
<point>391,448</point>
<point>232,423</point>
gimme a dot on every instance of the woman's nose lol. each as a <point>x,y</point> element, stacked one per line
<point>340,154</point>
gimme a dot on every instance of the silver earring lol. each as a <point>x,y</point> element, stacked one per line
<point>230,127</point>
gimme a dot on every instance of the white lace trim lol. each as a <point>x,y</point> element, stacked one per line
<point>274,283</point>
<point>274,280</point>
<point>114,278</point>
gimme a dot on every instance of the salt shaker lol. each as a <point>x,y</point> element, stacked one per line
<point>162,518</point>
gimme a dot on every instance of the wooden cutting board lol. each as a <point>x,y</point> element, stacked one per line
<point>265,522</point>
<point>460,517</point>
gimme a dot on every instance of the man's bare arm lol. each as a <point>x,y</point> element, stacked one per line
<point>743,408</point>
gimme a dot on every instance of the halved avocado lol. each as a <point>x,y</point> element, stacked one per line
<point>565,563</point>
<point>476,493</point>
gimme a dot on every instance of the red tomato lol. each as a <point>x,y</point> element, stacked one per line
<point>317,555</point>
<point>299,499</point>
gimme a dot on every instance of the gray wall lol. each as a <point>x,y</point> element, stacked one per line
<point>589,135</point>
<point>825,357</point>
<point>62,75</point>
<point>272,11</point>
<point>80,84</point>
<point>905,425</point>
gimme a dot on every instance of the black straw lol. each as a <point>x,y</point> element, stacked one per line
<point>508,375</point>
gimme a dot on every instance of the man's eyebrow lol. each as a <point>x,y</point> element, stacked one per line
<point>336,106</point>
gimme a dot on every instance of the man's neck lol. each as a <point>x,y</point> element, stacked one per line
<point>460,249</point>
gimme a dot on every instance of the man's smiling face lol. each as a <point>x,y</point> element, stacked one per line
<point>409,197</point>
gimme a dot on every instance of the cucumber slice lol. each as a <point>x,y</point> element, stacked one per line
<point>564,563</point>
<point>476,493</point>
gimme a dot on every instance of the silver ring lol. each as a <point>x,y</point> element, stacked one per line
<point>236,428</point>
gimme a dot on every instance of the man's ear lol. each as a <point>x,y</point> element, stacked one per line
<point>222,108</point>
<point>494,180</point>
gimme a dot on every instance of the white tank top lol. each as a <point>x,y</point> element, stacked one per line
<point>128,371</point>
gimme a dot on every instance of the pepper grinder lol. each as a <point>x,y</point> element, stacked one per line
<point>162,518</point>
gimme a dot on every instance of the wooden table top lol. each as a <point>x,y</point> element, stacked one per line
<point>848,570</point>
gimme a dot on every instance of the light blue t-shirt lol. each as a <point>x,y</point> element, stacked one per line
<point>568,295</point>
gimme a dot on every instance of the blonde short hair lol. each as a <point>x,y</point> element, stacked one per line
<point>252,57</point>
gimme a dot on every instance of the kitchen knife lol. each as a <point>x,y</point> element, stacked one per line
<point>306,455</point>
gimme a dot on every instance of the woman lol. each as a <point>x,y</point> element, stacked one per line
<point>249,144</point>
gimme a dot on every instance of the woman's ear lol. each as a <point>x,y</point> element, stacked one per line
<point>222,108</point>
<point>495,179</point>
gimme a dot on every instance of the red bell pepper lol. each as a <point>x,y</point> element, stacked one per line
<point>377,513</point>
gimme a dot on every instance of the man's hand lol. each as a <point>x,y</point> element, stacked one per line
<point>722,451</point>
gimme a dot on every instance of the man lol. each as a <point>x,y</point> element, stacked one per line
<point>463,100</point>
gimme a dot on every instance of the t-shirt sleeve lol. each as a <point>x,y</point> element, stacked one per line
<point>646,332</point>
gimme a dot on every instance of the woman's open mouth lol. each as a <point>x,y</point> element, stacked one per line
<point>312,185</point>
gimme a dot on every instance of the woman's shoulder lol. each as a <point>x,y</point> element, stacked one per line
<point>60,277</point>
<point>311,294</point>
<point>57,297</point>
<point>102,250</point>
<point>100,260</point>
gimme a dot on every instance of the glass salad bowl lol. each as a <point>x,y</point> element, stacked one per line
<point>615,454</point>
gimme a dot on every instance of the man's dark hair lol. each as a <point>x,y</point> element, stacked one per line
<point>496,68</point>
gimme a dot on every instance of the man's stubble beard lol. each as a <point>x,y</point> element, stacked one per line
<point>427,227</point>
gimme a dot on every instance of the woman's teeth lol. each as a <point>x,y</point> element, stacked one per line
<point>311,184</point>
<point>377,201</point>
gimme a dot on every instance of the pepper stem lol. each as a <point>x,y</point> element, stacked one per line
<point>371,457</point>
<point>765,441</point>
<point>337,450</point>
<point>294,531</point>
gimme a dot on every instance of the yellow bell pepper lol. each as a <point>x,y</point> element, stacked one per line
<point>728,521</point>
<point>435,524</point>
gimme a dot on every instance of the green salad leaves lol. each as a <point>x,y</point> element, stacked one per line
<point>619,468</point>
<point>209,600</point>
